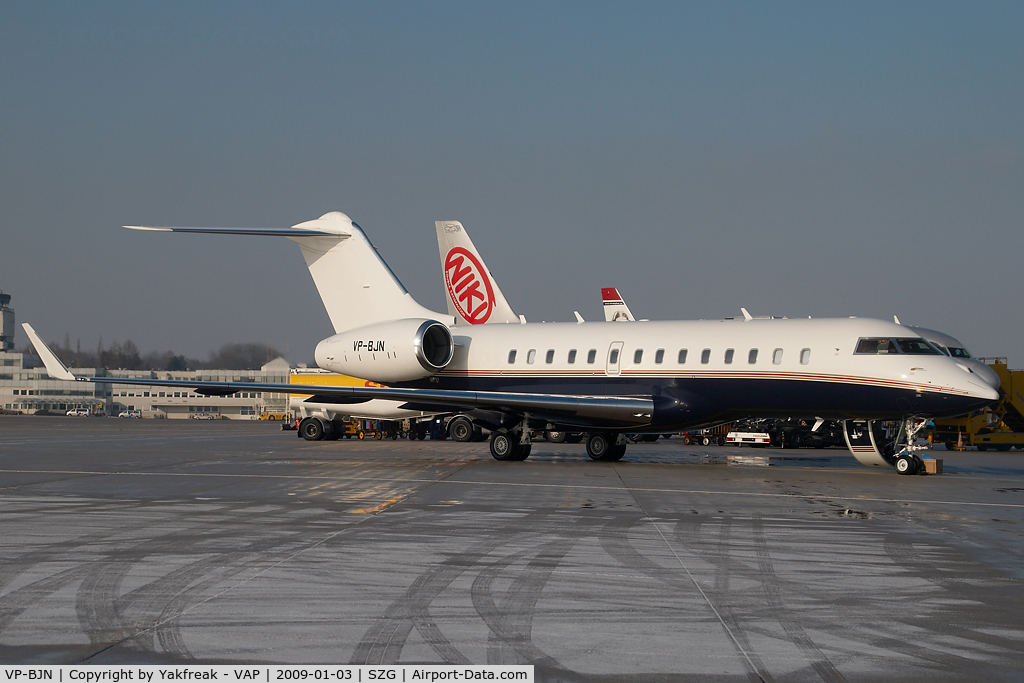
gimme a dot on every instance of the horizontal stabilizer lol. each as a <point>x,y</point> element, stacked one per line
<point>54,368</point>
<point>357,287</point>
<point>269,232</point>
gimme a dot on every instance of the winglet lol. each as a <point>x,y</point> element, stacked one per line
<point>746,315</point>
<point>579,318</point>
<point>54,368</point>
<point>896,319</point>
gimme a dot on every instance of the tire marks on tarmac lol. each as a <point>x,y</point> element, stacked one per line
<point>383,642</point>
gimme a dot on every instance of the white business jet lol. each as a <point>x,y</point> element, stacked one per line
<point>604,378</point>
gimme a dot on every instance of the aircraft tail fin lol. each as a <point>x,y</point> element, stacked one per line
<point>472,294</point>
<point>355,284</point>
<point>614,307</point>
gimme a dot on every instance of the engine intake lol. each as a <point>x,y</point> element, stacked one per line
<point>396,351</point>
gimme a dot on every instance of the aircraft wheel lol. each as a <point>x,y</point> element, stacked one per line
<point>503,446</point>
<point>616,453</point>
<point>460,429</point>
<point>523,452</point>
<point>600,446</point>
<point>574,438</point>
<point>311,429</point>
<point>905,465</point>
<point>556,437</point>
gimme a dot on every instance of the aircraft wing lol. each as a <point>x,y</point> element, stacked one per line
<point>605,411</point>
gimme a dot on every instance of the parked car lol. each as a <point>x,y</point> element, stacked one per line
<point>130,413</point>
<point>202,416</point>
<point>78,412</point>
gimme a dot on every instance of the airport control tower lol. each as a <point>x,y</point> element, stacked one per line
<point>6,323</point>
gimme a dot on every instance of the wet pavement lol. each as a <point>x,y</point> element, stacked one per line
<point>220,542</point>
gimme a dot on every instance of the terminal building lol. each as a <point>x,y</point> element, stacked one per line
<point>26,388</point>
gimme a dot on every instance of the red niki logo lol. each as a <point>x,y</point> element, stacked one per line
<point>464,277</point>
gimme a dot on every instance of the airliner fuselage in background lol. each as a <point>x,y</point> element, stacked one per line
<point>602,377</point>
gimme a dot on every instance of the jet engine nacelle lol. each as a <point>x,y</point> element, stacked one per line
<point>396,351</point>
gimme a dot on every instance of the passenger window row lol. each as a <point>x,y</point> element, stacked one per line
<point>659,356</point>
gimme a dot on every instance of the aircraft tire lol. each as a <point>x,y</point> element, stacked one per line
<point>574,438</point>
<point>905,465</point>
<point>523,452</point>
<point>601,446</point>
<point>556,437</point>
<point>460,429</point>
<point>503,446</point>
<point>311,429</point>
<point>616,453</point>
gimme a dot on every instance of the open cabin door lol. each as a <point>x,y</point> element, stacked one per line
<point>867,441</point>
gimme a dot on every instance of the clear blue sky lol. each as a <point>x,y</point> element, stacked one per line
<point>825,159</point>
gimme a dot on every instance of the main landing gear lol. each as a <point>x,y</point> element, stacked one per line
<point>606,447</point>
<point>506,445</point>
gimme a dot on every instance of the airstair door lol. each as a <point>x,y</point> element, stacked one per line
<point>863,442</point>
<point>614,358</point>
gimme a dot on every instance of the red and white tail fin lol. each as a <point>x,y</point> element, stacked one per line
<point>473,296</point>
<point>614,307</point>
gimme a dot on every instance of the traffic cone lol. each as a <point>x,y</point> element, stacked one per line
<point>960,440</point>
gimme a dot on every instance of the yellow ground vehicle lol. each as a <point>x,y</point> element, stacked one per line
<point>1000,427</point>
<point>272,416</point>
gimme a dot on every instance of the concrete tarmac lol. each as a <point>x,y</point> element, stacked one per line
<point>129,541</point>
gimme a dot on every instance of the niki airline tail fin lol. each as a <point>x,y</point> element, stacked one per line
<point>473,295</point>
<point>614,307</point>
<point>357,287</point>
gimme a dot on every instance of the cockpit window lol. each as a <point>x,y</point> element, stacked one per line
<point>958,353</point>
<point>914,346</point>
<point>876,346</point>
<point>917,347</point>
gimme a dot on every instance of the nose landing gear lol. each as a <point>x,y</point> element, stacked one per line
<point>907,461</point>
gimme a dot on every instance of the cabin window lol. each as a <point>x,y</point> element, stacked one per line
<point>682,356</point>
<point>591,356</point>
<point>659,356</point>
<point>777,356</point>
<point>613,357</point>
<point>805,356</point>
<point>531,356</point>
<point>752,356</point>
<point>705,356</point>
<point>511,356</point>
<point>549,358</point>
<point>876,346</point>
<point>638,356</point>
<point>729,353</point>
<point>572,356</point>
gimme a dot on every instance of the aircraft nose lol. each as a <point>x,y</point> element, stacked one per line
<point>984,390</point>
<point>986,373</point>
